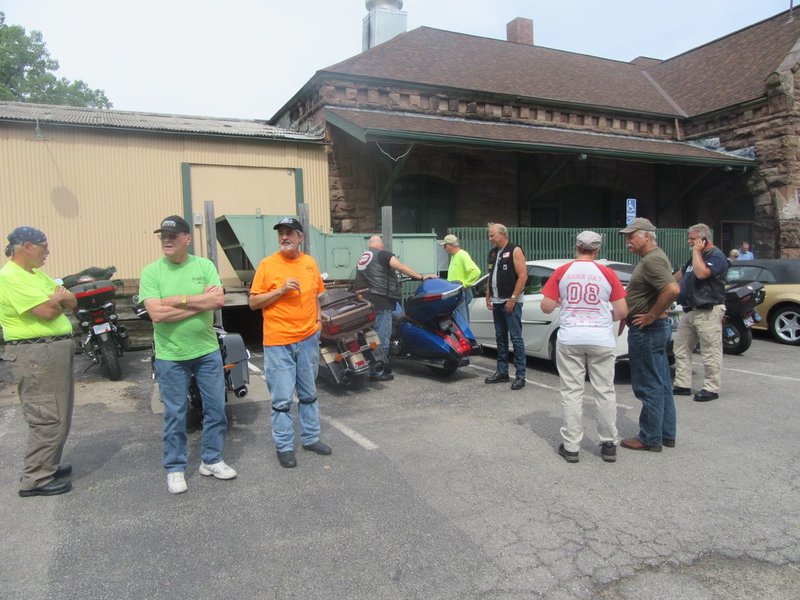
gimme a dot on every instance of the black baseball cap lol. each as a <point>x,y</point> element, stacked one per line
<point>291,223</point>
<point>173,224</point>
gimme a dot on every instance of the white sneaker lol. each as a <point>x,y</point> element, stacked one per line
<point>176,483</point>
<point>219,470</point>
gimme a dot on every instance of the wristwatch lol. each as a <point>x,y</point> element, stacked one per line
<point>184,300</point>
<point>514,298</point>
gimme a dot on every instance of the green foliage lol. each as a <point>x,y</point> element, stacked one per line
<point>26,73</point>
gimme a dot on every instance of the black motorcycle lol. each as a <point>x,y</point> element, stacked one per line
<point>234,362</point>
<point>102,338</point>
<point>741,300</point>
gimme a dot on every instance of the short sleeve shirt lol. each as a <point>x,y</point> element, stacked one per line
<point>20,291</point>
<point>651,275</point>
<point>585,290</point>
<point>192,337</point>
<point>293,317</point>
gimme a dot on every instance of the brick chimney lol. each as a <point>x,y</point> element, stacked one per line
<point>520,31</point>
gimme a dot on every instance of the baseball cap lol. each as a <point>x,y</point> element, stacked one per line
<point>449,239</point>
<point>589,240</point>
<point>639,224</point>
<point>291,223</point>
<point>173,224</point>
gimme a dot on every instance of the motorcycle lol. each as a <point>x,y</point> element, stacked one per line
<point>349,345</point>
<point>103,339</point>
<point>234,362</point>
<point>741,300</point>
<point>427,331</point>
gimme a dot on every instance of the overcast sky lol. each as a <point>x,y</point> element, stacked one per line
<point>246,58</point>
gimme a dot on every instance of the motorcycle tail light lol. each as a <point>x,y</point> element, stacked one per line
<point>371,316</point>
<point>353,346</point>
<point>432,298</point>
<point>332,329</point>
<point>99,320</point>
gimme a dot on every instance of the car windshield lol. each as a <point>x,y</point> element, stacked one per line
<point>739,272</point>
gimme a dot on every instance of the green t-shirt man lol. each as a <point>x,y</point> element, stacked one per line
<point>20,291</point>
<point>192,337</point>
<point>651,275</point>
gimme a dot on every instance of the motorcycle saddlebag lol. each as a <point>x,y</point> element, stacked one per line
<point>93,294</point>
<point>743,297</point>
<point>342,310</point>
<point>235,353</point>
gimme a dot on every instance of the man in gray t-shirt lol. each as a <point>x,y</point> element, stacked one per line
<point>651,291</point>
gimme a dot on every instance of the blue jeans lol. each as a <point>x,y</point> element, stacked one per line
<point>506,324</point>
<point>174,377</point>
<point>287,369</point>
<point>651,381</point>
<point>383,327</point>
<point>462,309</point>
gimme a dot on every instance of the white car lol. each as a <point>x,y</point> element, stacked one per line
<point>538,329</point>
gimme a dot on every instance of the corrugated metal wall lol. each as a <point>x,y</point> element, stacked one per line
<point>540,243</point>
<point>99,195</point>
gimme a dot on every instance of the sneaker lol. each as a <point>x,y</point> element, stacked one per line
<point>608,451</point>
<point>176,482</point>
<point>219,470</point>
<point>570,457</point>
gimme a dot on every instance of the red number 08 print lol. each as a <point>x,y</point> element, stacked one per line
<point>583,293</point>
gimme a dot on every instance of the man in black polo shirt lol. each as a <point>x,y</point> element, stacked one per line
<point>702,297</point>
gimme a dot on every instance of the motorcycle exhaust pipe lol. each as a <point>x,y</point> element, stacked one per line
<point>240,392</point>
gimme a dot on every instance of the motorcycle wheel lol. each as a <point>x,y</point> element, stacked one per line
<point>356,382</point>
<point>109,358</point>
<point>736,338</point>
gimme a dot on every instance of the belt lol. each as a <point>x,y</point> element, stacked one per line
<point>40,340</point>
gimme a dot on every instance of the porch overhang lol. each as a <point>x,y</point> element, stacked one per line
<point>387,126</point>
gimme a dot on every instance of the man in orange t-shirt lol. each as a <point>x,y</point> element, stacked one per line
<point>286,288</point>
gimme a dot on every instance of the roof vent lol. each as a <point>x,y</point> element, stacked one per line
<point>520,31</point>
<point>384,20</point>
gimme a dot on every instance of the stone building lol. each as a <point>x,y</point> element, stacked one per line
<point>457,130</point>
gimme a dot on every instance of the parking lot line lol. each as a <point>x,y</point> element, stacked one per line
<point>760,374</point>
<point>351,433</point>
<point>536,383</point>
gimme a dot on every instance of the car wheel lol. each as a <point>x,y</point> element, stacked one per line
<point>785,325</point>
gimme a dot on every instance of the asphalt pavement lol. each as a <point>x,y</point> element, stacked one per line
<point>436,489</point>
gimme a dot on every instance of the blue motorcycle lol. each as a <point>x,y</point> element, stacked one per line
<point>427,332</point>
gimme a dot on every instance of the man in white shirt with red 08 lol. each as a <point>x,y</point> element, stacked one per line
<point>591,298</point>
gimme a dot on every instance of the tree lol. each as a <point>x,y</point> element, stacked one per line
<point>26,73</point>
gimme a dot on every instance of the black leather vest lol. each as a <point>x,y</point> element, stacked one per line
<point>506,275</point>
<point>379,279</point>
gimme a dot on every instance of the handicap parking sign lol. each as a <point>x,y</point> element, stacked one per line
<point>630,210</point>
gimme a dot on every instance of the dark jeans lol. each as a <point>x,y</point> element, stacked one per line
<point>651,381</point>
<point>506,324</point>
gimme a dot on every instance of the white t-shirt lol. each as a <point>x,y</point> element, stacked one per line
<point>585,290</point>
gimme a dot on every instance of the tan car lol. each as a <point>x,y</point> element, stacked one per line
<point>780,311</point>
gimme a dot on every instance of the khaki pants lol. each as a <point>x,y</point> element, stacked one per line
<point>43,374</point>
<point>704,326</point>
<point>573,363</point>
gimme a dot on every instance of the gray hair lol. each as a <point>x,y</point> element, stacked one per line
<point>501,229</point>
<point>702,230</point>
<point>12,249</point>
